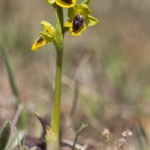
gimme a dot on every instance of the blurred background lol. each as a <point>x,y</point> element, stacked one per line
<point>106,70</point>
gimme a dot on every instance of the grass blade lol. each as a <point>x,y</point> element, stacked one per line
<point>81,127</point>
<point>4,135</point>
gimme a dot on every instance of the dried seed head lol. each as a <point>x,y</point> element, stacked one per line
<point>105,134</point>
<point>126,133</point>
<point>129,132</point>
<point>120,143</point>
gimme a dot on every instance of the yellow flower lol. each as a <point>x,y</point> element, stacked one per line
<point>66,3</point>
<point>77,25</point>
<point>79,19</point>
<point>63,3</point>
<point>46,36</point>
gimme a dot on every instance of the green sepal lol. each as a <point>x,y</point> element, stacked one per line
<point>4,135</point>
<point>49,31</point>
<point>91,21</point>
<point>87,2</point>
<point>51,1</point>
<point>48,27</point>
<point>81,9</point>
<point>47,37</point>
<point>71,12</point>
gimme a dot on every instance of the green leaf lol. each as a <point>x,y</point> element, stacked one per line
<point>4,135</point>
<point>87,2</point>
<point>91,21</point>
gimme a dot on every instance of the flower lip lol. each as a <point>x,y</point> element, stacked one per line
<point>39,42</point>
<point>78,22</point>
<point>40,39</point>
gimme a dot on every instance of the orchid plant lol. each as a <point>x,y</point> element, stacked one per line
<point>79,19</point>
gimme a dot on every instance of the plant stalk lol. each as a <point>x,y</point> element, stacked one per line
<point>58,42</point>
<point>55,122</point>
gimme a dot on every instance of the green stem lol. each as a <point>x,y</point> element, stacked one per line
<point>58,42</point>
<point>57,97</point>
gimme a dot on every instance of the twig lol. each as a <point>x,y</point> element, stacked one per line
<point>18,112</point>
